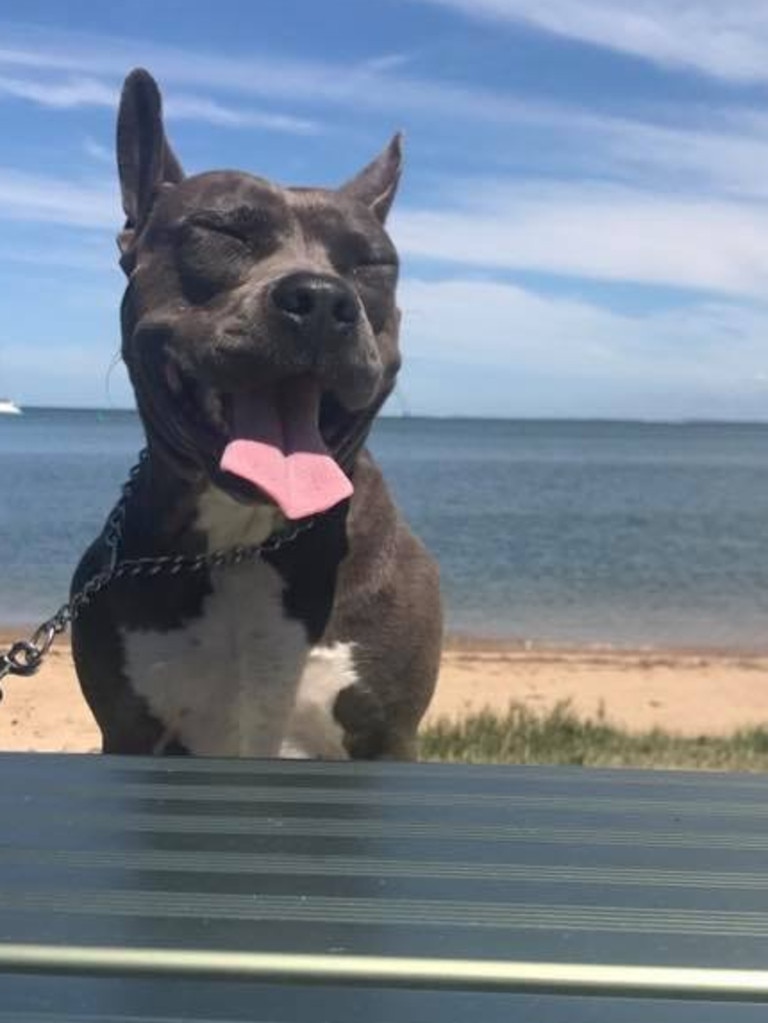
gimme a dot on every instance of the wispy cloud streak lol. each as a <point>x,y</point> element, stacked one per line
<point>727,40</point>
<point>40,198</point>
<point>597,232</point>
<point>75,92</point>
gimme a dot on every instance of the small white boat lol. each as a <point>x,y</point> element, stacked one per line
<point>9,408</point>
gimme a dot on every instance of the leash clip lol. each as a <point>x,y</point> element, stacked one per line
<point>24,657</point>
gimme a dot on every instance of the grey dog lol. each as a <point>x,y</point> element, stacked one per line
<point>260,332</point>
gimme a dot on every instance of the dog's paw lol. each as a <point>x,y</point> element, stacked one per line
<point>363,720</point>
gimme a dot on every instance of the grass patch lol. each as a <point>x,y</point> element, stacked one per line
<point>522,736</point>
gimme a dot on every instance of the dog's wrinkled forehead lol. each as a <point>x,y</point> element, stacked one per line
<point>224,192</point>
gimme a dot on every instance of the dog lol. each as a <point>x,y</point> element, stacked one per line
<point>278,604</point>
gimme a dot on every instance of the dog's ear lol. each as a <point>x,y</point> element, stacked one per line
<point>376,184</point>
<point>145,160</point>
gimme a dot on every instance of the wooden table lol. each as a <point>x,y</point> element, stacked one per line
<point>180,889</point>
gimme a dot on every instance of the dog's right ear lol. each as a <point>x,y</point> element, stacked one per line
<point>145,160</point>
<point>376,184</point>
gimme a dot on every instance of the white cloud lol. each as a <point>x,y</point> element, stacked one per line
<point>561,355</point>
<point>42,198</point>
<point>370,85</point>
<point>77,256</point>
<point>283,78</point>
<point>724,38</point>
<point>596,231</point>
<point>74,92</point>
<point>367,85</point>
<point>98,151</point>
<point>387,61</point>
<point>193,108</point>
<point>71,93</point>
<point>728,147</point>
<point>522,328</point>
<point>729,157</point>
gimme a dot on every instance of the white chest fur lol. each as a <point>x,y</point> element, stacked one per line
<point>313,731</point>
<point>241,680</point>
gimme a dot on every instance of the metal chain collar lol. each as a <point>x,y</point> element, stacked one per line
<point>24,657</point>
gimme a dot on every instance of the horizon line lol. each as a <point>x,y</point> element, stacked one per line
<point>641,420</point>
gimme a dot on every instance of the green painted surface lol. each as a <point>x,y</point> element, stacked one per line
<point>580,870</point>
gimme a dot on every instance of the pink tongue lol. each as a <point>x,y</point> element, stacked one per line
<point>277,446</point>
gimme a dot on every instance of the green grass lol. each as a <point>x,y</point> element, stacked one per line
<point>561,737</point>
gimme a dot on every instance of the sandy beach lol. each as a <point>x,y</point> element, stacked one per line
<point>689,692</point>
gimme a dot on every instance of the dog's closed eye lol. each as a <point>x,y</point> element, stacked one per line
<point>216,251</point>
<point>375,274</point>
<point>201,231</point>
<point>245,224</point>
<point>227,229</point>
<point>210,259</point>
<point>375,266</point>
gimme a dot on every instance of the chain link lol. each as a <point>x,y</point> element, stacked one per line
<point>24,657</point>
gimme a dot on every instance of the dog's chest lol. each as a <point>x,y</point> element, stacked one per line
<point>241,679</point>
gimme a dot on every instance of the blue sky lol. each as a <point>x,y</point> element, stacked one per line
<point>583,220</point>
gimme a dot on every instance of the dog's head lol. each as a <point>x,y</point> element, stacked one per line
<point>259,322</point>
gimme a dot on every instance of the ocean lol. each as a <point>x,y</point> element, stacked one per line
<point>549,532</point>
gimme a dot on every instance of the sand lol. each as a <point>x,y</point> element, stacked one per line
<point>688,692</point>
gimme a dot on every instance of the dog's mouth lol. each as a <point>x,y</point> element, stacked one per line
<point>270,442</point>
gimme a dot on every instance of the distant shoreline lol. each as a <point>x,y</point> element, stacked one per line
<point>419,417</point>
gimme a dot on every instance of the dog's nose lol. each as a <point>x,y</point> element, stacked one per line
<point>315,302</point>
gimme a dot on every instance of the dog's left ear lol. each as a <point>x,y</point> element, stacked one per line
<point>376,184</point>
<point>145,159</point>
